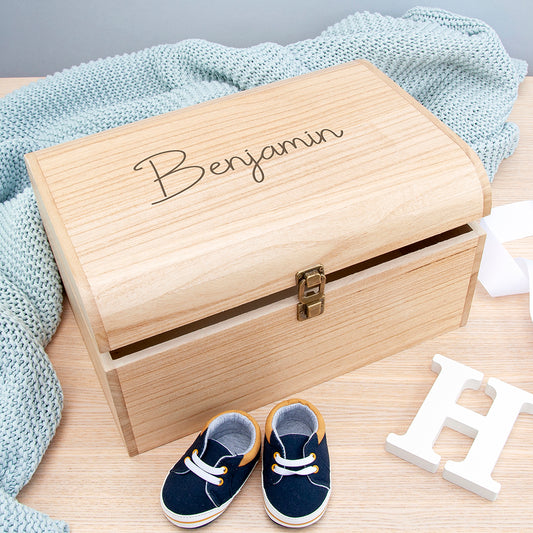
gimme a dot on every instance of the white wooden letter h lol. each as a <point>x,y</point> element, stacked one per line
<point>490,432</point>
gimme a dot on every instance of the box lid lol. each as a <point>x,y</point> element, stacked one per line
<point>175,218</point>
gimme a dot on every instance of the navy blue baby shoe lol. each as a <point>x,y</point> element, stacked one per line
<point>296,476</point>
<point>207,478</point>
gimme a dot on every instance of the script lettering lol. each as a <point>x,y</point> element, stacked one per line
<point>178,177</point>
<point>198,173</point>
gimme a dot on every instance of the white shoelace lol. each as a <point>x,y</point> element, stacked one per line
<point>280,462</point>
<point>209,473</point>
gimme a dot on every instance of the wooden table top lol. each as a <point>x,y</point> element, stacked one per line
<point>87,479</point>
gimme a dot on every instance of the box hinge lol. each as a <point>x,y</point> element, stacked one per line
<point>311,284</point>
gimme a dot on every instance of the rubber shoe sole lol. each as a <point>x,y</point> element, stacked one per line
<point>196,520</point>
<point>290,521</point>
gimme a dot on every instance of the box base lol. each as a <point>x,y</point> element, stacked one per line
<point>168,390</point>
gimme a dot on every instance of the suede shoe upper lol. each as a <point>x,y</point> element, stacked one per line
<point>296,468</point>
<point>212,470</point>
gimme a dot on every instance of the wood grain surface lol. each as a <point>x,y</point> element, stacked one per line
<point>87,478</point>
<point>257,185</point>
<point>170,389</point>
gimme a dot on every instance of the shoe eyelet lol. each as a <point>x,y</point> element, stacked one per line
<point>276,455</point>
<point>220,482</point>
<point>195,452</point>
<point>316,468</point>
<point>273,467</point>
<point>313,455</point>
<point>225,470</point>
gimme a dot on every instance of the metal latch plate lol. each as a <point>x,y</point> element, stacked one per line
<point>311,284</point>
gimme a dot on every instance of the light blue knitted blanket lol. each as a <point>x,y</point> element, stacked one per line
<point>455,66</point>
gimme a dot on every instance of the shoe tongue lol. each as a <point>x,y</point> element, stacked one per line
<point>294,445</point>
<point>213,452</point>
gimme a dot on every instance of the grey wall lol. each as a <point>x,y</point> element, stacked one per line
<point>39,37</point>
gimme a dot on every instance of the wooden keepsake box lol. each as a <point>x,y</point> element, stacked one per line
<point>235,252</point>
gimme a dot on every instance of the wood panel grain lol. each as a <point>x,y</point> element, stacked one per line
<point>245,362</point>
<point>181,216</point>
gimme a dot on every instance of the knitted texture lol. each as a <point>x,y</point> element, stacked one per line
<point>455,66</point>
<point>30,396</point>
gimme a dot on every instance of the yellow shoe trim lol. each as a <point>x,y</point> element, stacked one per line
<point>321,424</point>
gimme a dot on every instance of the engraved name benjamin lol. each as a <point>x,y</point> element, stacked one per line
<point>170,187</point>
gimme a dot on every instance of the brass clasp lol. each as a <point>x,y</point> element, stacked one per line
<point>311,284</point>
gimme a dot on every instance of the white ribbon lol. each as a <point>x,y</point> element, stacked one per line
<point>501,274</point>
